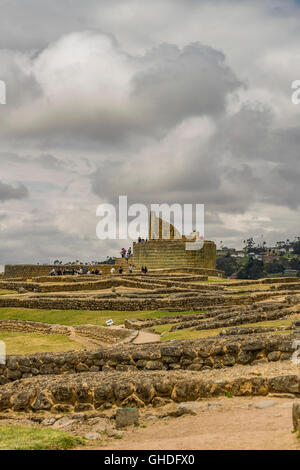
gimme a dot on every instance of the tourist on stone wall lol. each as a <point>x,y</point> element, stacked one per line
<point>112,271</point>
<point>130,268</point>
<point>52,272</point>
<point>120,270</point>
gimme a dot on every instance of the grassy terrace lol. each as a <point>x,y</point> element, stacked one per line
<point>27,343</point>
<point>79,317</point>
<point>189,333</point>
<point>23,438</point>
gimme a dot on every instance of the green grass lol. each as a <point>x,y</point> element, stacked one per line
<point>5,291</point>
<point>188,333</point>
<point>79,317</point>
<point>161,329</point>
<point>28,343</point>
<point>22,438</point>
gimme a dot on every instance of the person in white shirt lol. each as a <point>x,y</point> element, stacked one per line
<point>112,271</point>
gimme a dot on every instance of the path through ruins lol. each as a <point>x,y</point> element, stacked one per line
<point>225,423</point>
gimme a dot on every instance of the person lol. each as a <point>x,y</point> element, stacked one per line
<point>130,268</point>
<point>145,270</point>
<point>96,271</point>
<point>120,270</point>
<point>139,239</point>
<point>73,271</point>
<point>59,272</point>
<point>52,272</point>
<point>142,270</point>
<point>112,271</point>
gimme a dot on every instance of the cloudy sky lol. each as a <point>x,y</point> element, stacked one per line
<point>163,101</point>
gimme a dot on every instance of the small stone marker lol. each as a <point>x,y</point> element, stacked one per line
<point>126,417</point>
<point>296,416</point>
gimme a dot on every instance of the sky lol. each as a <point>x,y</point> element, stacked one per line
<point>170,101</point>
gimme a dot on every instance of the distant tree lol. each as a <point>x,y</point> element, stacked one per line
<point>249,244</point>
<point>227,264</point>
<point>109,260</point>
<point>296,246</point>
<point>274,266</point>
<point>253,269</point>
<point>295,264</point>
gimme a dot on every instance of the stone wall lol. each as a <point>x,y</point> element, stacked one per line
<point>172,254</point>
<point>125,303</point>
<point>87,391</point>
<point>34,327</point>
<point>189,354</point>
<point>27,271</point>
<point>77,284</point>
<point>99,334</point>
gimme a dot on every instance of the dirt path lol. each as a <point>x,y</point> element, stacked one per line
<point>224,423</point>
<point>89,344</point>
<point>146,337</point>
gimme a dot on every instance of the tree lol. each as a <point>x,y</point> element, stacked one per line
<point>249,244</point>
<point>274,266</point>
<point>227,264</point>
<point>296,246</point>
<point>253,269</point>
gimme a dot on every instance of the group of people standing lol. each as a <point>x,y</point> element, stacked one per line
<point>126,254</point>
<point>113,269</point>
<point>72,272</point>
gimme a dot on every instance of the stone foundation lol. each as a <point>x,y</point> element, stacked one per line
<point>212,353</point>
<point>84,392</point>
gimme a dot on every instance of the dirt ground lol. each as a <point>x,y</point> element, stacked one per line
<point>225,423</point>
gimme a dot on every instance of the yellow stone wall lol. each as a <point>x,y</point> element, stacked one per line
<point>157,254</point>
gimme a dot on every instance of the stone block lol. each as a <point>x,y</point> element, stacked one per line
<point>126,417</point>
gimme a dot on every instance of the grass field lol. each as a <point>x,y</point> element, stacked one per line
<point>189,333</point>
<point>23,438</point>
<point>78,317</point>
<point>4,291</point>
<point>27,343</point>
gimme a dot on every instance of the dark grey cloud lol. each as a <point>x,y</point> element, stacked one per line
<point>8,191</point>
<point>178,83</point>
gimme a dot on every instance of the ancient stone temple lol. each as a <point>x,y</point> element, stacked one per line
<point>166,248</point>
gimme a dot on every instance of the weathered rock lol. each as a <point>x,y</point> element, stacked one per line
<point>126,417</point>
<point>187,408</point>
